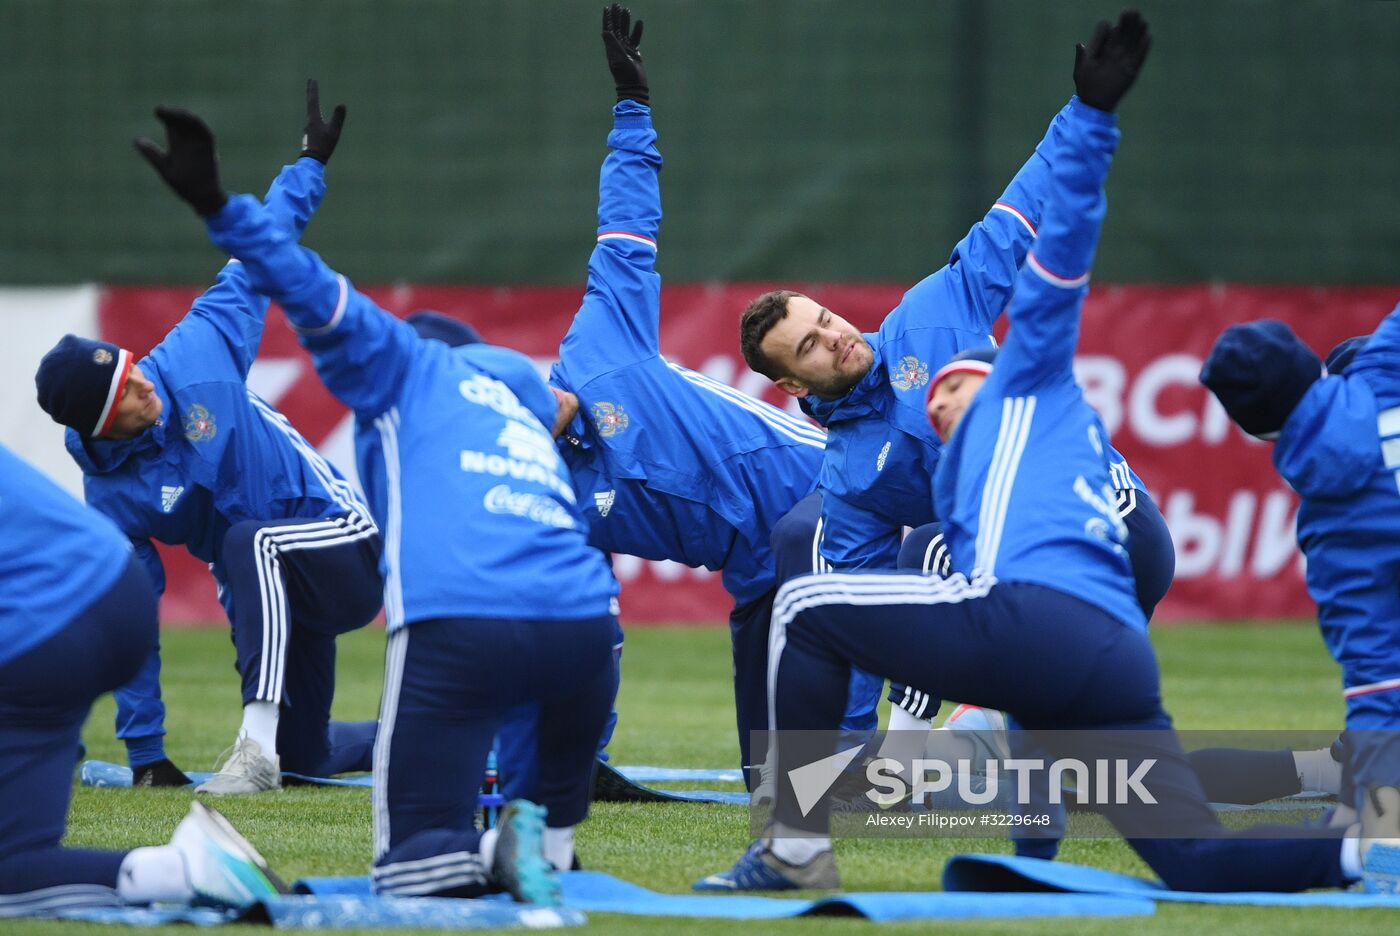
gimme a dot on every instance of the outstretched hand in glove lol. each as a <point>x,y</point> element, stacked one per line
<point>319,139</point>
<point>1108,66</point>
<point>189,164</point>
<point>621,40</point>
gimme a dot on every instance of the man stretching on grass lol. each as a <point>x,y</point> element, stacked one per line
<point>1336,435</point>
<point>1040,617</point>
<point>485,559</point>
<point>77,620</point>
<point>176,449</point>
<point>671,464</point>
<point>868,390</point>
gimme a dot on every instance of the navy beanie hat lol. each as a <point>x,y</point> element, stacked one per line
<point>1259,371</point>
<point>971,361</point>
<point>80,381</point>
<point>430,324</point>
<point>1339,358</point>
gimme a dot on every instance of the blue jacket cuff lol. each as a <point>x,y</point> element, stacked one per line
<point>630,115</point>
<point>1092,114</point>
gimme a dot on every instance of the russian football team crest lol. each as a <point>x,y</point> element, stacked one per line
<point>199,424</point>
<point>609,419</point>
<point>909,373</point>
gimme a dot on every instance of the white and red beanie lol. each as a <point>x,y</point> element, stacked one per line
<point>971,361</point>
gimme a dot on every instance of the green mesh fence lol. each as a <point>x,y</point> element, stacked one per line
<point>805,139</point>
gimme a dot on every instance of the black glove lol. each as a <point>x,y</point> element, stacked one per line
<point>621,40</point>
<point>320,137</point>
<point>1105,71</point>
<point>191,167</point>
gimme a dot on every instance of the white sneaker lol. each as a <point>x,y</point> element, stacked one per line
<point>244,770</point>
<point>761,870</point>
<point>223,868</point>
<point>1380,841</point>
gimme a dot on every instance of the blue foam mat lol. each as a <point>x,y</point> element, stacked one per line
<point>725,797</point>
<point>351,912</point>
<point>96,773</point>
<point>620,785</point>
<point>597,892</point>
<point>104,773</point>
<point>136,916</point>
<point>341,911</point>
<point>1008,873</point>
<point>643,773</point>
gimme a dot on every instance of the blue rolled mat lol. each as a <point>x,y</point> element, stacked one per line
<point>597,892</point>
<point>1009,873</point>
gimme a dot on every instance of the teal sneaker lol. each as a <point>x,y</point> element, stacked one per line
<point>519,865</point>
<point>222,867</point>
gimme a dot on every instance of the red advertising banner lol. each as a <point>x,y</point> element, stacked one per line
<point>1140,350</point>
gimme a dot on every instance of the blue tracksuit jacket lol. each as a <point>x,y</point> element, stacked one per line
<point>1340,450</point>
<point>56,557</point>
<point>1024,487</point>
<point>480,516</point>
<point>219,455</point>
<point>881,452</point>
<point>669,463</point>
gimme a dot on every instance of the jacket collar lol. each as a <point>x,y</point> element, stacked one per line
<point>860,400</point>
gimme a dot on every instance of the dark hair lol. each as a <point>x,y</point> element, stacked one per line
<point>758,319</point>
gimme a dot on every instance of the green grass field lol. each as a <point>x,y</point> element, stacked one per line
<point>676,710</point>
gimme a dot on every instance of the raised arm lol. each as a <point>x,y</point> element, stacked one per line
<point>619,319</point>
<point>1051,288</point>
<point>297,191</point>
<point>361,352</point>
<point>231,308</point>
<point>975,287</point>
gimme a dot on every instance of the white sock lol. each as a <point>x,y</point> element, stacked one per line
<point>154,875</point>
<point>1351,854</point>
<point>487,847</point>
<point>260,724</point>
<point>905,746</point>
<point>900,720</point>
<point>558,847</point>
<point>1317,771</point>
<point>786,844</point>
